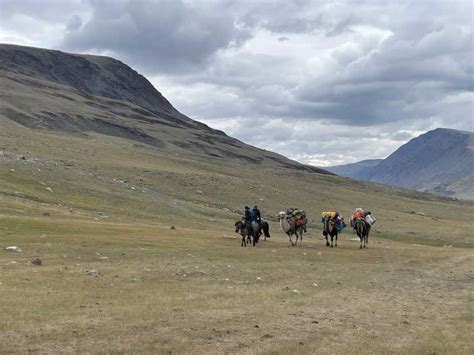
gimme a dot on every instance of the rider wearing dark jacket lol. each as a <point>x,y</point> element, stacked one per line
<point>256,214</point>
<point>248,215</point>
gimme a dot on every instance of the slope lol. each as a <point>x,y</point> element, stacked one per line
<point>52,90</point>
<point>434,161</point>
<point>357,170</point>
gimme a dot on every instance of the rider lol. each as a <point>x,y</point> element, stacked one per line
<point>256,214</point>
<point>248,215</point>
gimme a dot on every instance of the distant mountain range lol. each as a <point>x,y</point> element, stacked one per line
<point>357,170</point>
<point>440,161</point>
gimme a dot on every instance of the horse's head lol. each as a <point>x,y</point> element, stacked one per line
<point>281,215</point>
<point>239,225</point>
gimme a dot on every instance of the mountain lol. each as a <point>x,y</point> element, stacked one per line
<point>83,94</point>
<point>440,161</point>
<point>355,170</point>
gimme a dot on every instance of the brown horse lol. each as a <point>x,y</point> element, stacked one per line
<point>330,230</point>
<point>362,228</point>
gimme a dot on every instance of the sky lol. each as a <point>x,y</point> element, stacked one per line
<point>322,82</point>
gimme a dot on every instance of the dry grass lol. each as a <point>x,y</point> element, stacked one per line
<point>198,291</point>
<point>193,289</point>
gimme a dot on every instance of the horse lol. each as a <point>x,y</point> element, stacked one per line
<point>265,228</point>
<point>250,232</point>
<point>362,228</point>
<point>290,228</point>
<point>255,230</point>
<point>330,229</point>
<point>242,228</point>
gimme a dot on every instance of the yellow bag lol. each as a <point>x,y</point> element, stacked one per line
<point>330,214</point>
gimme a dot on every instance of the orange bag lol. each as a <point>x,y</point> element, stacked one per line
<point>358,214</point>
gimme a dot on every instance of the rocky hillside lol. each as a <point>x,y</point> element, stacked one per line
<point>52,90</point>
<point>440,161</point>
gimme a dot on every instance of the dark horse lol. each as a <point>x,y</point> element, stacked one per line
<point>362,228</point>
<point>265,228</point>
<point>251,232</point>
<point>330,229</point>
<point>242,228</point>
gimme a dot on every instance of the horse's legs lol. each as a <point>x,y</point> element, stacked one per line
<point>332,241</point>
<point>327,241</point>
<point>336,241</point>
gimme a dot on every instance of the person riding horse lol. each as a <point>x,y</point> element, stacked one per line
<point>256,214</point>
<point>248,215</point>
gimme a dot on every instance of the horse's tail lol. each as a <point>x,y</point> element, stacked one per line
<point>266,229</point>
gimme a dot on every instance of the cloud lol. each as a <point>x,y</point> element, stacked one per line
<point>158,36</point>
<point>38,23</point>
<point>322,82</point>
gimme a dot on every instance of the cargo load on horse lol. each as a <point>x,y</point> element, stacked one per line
<point>299,216</point>
<point>361,214</point>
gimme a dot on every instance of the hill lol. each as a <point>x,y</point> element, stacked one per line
<point>440,161</point>
<point>95,197</point>
<point>52,90</point>
<point>357,170</point>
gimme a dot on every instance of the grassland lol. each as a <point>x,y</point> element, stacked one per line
<point>92,202</point>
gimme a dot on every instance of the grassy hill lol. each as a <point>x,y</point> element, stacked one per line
<point>73,93</point>
<point>85,199</point>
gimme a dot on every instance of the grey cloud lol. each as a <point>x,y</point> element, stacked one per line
<point>37,23</point>
<point>158,36</point>
<point>52,10</point>
<point>368,82</point>
<point>397,81</point>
